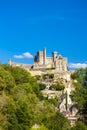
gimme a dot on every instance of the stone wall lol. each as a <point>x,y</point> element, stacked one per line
<point>15,64</point>
<point>49,60</point>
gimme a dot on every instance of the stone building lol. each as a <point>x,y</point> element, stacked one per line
<point>56,61</point>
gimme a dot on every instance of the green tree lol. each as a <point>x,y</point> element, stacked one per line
<point>6,79</point>
<point>57,122</point>
<point>79,126</point>
<point>57,86</point>
<point>2,84</point>
<point>53,101</point>
<point>80,93</point>
<point>41,127</point>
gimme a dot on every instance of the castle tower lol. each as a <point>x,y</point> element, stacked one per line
<point>54,56</point>
<point>40,57</point>
<point>44,56</point>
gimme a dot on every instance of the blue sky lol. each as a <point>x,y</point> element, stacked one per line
<point>31,25</point>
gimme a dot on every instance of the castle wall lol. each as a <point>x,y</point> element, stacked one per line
<point>15,64</point>
<point>61,64</point>
<point>49,60</point>
<point>65,64</point>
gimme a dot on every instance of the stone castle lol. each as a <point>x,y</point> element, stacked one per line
<point>56,61</point>
<point>41,61</point>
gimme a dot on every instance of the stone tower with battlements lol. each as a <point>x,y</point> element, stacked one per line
<point>40,58</point>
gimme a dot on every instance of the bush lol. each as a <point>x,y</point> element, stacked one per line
<point>57,87</point>
<point>75,75</point>
<point>53,101</point>
<point>42,86</point>
<point>48,76</point>
<point>53,68</point>
<point>37,77</point>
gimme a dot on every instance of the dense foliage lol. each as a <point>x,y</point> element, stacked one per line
<point>80,93</point>
<point>48,76</point>
<point>79,126</point>
<point>22,106</point>
<point>57,86</point>
<point>42,86</point>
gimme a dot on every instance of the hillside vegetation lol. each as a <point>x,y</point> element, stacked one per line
<point>23,107</point>
<point>80,94</point>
